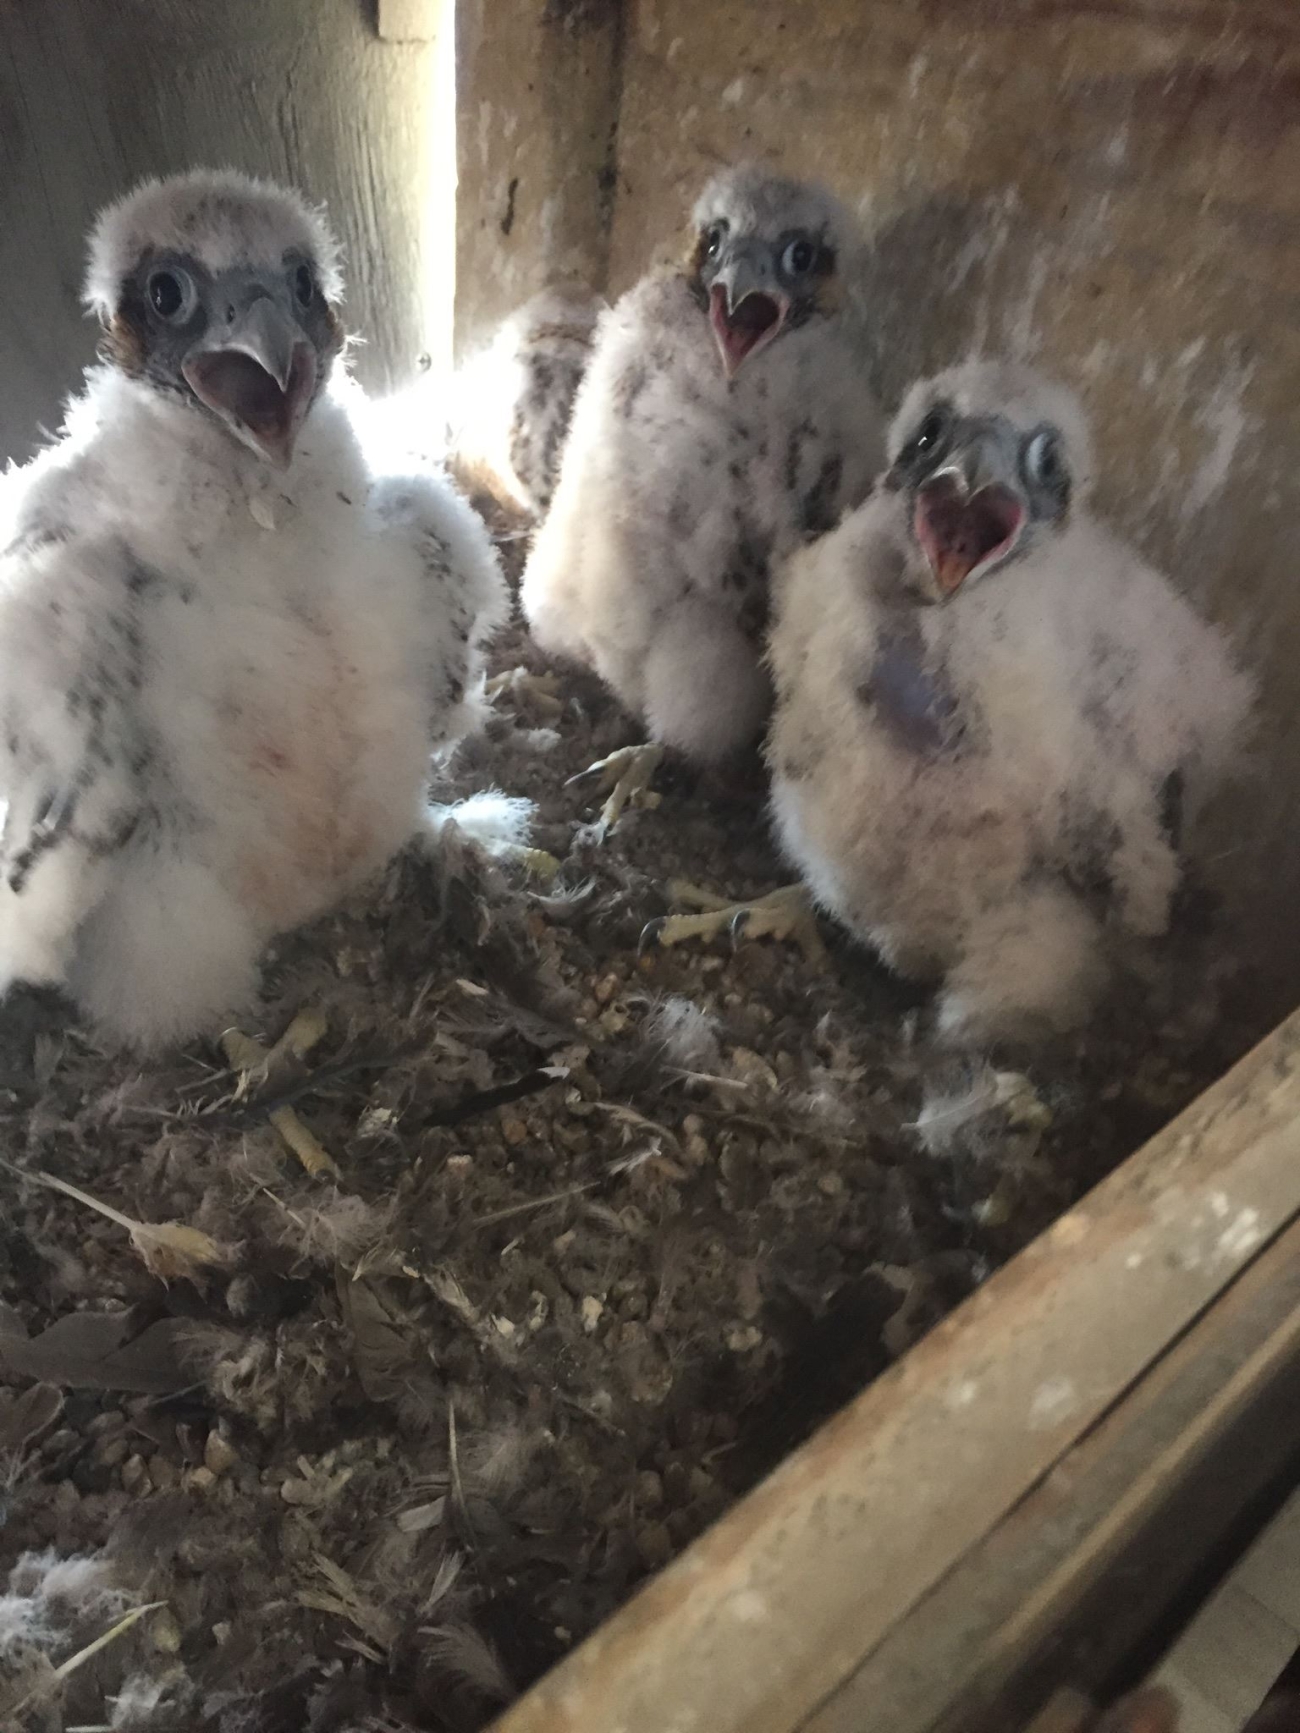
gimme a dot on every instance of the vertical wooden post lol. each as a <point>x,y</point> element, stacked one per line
<point>538,94</point>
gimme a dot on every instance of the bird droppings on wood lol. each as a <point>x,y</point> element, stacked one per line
<point>610,1234</point>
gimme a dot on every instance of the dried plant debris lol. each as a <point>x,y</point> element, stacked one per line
<point>596,1238</point>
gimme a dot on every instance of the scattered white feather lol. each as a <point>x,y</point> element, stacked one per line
<point>828,1098</point>
<point>964,1113</point>
<point>537,739</point>
<point>140,1701</point>
<point>495,822</point>
<point>685,1034</point>
<point>497,1460</point>
<point>334,1229</point>
<point>47,1596</point>
<point>463,1651</point>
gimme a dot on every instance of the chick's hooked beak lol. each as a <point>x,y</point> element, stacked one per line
<point>970,514</point>
<point>747,307</point>
<point>258,373</point>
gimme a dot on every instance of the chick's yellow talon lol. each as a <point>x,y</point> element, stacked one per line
<point>625,777</point>
<point>785,914</point>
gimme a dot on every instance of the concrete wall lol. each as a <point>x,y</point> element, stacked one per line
<point>96,93</point>
<point>538,96</point>
<point>1108,187</point>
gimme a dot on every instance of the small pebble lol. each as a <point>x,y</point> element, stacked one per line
<point>164,1632</point>
<point>649,1489</point>
<point>696,1151</point>
<point>135,1477</point>
<point>113,1452</point>
<point>514,1131</point>
<point>701,1483</point>
<point>655,1544</point>
<point>163,1472</point>
<point>218,1454</point>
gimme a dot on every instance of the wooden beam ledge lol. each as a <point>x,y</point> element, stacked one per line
<point>768,1615</point>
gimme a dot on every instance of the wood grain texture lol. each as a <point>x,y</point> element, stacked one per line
<point>93,97</point>
<point>1084,1568</point>
<point>764,1619</point>
<point>1229,1657</point>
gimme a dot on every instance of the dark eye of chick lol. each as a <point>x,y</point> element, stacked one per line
<point>166,294</point>
<point>798,258</point>
<point>713,241</point>
<point>929,435</point>
<point>1046,472</point>
<point>1043,459</point>
<point>304,286</point>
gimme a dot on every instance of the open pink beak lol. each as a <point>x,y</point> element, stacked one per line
<point>260,380</point>
<point>742,330</point>
<point>960,532</point>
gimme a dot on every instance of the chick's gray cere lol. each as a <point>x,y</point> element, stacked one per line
<point>725,416</point>
<point>228,646</point>
<point>990,710</point>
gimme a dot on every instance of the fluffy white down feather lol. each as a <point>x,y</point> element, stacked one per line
<point>1078,680</point>
<point>510,405</point>
<point>679,489</point>
<point>241,673</point>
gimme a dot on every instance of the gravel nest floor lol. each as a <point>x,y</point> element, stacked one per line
<point>609,1235</point>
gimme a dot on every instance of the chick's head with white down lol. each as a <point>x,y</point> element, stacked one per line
<point>221,291</point>
<point>767,256</point>
<point>990,461</point>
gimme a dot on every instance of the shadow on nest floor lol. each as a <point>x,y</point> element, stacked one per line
<point>608,1236</point>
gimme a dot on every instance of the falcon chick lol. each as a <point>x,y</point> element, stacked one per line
<point>512,402</point>
<point>990,711</point>
<point>724,417</point>
<point>228,648</point>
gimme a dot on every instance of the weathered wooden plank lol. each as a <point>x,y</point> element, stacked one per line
<point>766,1616</point>
<point>1237,1645</point>
<point>1012,1598</point>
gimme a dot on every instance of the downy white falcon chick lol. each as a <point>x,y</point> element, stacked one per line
<point>725,416</point>
<point>228,649</point>
<point>989,710</point>
<point>512,402</point>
